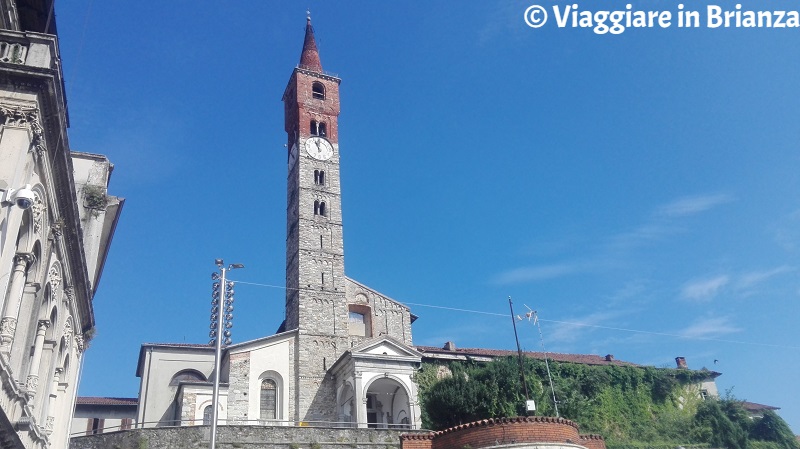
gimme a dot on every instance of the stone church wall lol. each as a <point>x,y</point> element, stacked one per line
<point>238,387</point>
<point>249,437</point>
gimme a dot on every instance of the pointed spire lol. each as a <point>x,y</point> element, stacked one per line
<point>309,59</point>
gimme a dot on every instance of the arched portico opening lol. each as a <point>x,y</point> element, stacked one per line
<point>346,405</point>
<point>387,404</point>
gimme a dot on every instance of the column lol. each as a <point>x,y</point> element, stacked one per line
<point>32,383</point>
<point>8,324</point>
<point>51,405</point>
<point>361,401</point>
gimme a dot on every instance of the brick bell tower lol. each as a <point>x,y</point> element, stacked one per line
<point>315,284</point>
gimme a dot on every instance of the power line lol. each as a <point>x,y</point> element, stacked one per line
<point>567,323</point>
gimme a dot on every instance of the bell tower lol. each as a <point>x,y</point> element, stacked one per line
<point>316,305</point>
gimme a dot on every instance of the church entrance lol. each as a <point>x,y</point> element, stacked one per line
<point>388,405</point>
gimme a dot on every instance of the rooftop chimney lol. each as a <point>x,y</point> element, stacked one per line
<point>450,346</point>
<point>681,362</point>
<point>609,357</point>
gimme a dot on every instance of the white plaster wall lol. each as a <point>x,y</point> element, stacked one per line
<point>272,356</point>
<point>109,425</point>
<point>156,395</point>
<point>711,387</point>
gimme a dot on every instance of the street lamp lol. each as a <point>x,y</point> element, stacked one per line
<point>221,324</point>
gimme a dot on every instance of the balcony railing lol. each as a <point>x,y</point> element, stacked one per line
<point>28,49</point>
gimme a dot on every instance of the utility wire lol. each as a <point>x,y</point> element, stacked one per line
<point>568,323</point>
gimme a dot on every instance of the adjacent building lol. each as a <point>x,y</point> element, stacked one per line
<point>56,224</point>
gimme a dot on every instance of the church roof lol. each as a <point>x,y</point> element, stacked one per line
<point>276,336</point>
<point>309,58</point>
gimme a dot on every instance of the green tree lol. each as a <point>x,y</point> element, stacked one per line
<point>771,427</point>
<point>456,400</point>
<point>713,425</point>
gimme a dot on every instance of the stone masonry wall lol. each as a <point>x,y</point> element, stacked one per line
<point>188,405</point>
<point>238,387</point>
<point>248,437</point>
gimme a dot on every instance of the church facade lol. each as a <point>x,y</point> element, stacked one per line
<point>343,354</point>
<point>56,224</point>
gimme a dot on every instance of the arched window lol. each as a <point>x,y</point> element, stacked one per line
<point>319,208</point>
<point>187,375</point>
<point>269,399</point>
<point>318,128</point>
<point>319,177</point>
<point>318,90</point>
<point>207,413</point>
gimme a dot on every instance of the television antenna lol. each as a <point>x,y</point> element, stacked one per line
<point>532,316</point>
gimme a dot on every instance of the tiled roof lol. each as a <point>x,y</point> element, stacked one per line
<point>754,407</point>
<point>92,400</point>
<point>586,359</point>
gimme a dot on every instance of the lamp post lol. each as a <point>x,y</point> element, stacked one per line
<point>221,323</point>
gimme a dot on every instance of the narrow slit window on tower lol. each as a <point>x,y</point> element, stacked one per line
<point>318,128</point>
<point>318,90</point>
<point>319,177</point>
<point>319,208</point>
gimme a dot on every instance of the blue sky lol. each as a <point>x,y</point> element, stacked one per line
<point>640,191</point>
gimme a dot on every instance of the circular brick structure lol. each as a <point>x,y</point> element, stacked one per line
<point>516,432</point>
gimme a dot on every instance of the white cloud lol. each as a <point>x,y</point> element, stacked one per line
<point>692,205</point>
<point>749,280</point>
<point>535,273</point>
<point>709,328</point>
<point>704,289</point>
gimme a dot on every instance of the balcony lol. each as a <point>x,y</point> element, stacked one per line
<point>29,49</point>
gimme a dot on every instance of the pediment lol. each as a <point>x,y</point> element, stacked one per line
<point>385,346</point>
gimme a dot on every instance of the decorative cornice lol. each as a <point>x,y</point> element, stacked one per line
<point>24,117</point>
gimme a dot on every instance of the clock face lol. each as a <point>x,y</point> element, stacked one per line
<point>319,148</point>
<point>293,156</point>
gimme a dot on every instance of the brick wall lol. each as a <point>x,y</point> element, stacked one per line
<point>416,441</point>
<point>593,442</point>
<point>503,431</point>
